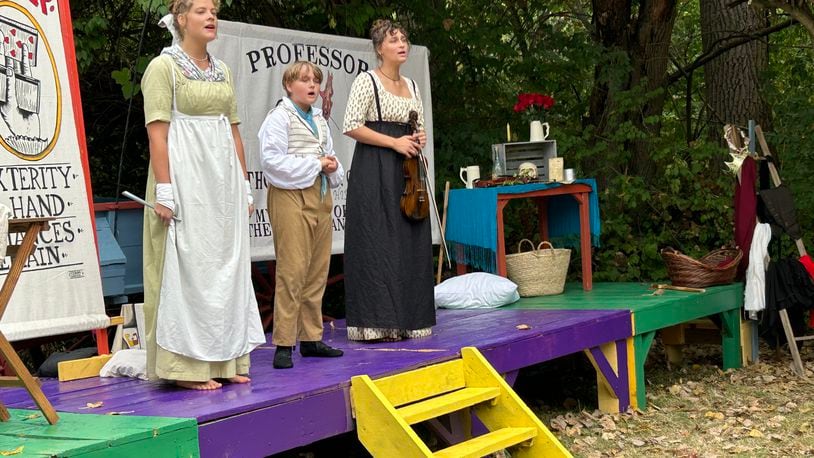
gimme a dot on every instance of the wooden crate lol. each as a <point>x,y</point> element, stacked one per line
<point>538,153</point>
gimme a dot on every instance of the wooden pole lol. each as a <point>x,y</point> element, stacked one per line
<point>686,289</point>
<point>784,314</point>
<point>443,228</point>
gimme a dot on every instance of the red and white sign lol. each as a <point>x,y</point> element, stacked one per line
<point>44,172</point>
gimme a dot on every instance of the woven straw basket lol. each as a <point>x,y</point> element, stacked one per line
<point>539,272</point>
<point>718,267</point>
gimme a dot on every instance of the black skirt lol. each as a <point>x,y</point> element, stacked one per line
<point>388,257</point>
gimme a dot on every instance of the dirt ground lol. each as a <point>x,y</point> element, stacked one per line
<point>696,410</point>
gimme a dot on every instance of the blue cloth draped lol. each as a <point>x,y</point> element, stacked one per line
<point>471,227</point>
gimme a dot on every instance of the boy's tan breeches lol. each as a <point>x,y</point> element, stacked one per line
<point>302,229</point>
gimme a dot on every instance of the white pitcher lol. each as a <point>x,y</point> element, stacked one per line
<point>538,131</point>
<point>472,174</point>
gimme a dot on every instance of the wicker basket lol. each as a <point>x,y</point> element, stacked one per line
<point>718,267</point>
<point>539,272</point>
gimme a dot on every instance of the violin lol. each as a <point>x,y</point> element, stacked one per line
<point>415,203</point>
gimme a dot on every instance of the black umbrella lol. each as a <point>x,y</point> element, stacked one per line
<point>780,210</point>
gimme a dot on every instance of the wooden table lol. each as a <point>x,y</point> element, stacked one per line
<point>580,192</point>
<point>31,227</point>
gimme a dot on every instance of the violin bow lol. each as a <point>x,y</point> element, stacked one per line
<point>413,121</point>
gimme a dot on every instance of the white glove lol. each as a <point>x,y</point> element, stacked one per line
<point>249,192</point>
<point>163,195</point>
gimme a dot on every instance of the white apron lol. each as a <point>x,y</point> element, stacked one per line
<point>207,309</point>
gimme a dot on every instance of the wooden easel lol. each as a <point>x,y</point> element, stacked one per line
<point>801,249</point>
<point>442,249</point>
<point>31,227</point>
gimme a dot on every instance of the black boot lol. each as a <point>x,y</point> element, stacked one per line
<point>319,349</point>
<point>282,358</point>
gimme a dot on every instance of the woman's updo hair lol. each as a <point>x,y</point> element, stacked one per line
<point>179,7</point>
<point>383,28</point>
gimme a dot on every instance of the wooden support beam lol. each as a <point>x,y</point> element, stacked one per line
<point>30,384</point>
<point>10,381</point>
<point>31,227</point>
<point>81,368</point>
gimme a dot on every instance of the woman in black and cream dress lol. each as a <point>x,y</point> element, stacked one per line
<point>388,258</point>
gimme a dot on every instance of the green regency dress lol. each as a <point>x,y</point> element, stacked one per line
<point>200,311</point>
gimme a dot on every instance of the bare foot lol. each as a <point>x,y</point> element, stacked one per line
<point>239,379</point>
<point>201,386</point>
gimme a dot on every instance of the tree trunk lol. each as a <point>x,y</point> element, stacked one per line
<point>611,19</point>
<point>645,38</point>
<point>732,81</point>
<point>651,59</point>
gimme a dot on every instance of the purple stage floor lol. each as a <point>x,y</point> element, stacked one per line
<point>284,409</point>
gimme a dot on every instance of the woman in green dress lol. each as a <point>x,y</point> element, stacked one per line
<point>199,305</point>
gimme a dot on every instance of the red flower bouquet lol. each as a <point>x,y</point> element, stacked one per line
<point>533,105</point>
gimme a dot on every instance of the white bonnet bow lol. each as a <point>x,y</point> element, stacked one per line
<point>168,23</point>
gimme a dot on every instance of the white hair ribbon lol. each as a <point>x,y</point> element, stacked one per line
<point>168,22</point>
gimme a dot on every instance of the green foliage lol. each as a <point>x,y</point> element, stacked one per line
<point>791,93</point>
<point>90,38</point>
<point>688,208</point>
<point>482,54</point>
<point>125,79</point>
<point>154,6</point>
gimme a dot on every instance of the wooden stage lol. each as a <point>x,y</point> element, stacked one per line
<point>652,313</point>
<point>284,409</point>
<point>98,436</point>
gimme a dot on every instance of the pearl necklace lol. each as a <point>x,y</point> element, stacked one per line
<point>196,59</point>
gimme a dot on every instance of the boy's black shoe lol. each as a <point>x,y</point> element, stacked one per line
<point>319,349</point>
<point>282,358</point>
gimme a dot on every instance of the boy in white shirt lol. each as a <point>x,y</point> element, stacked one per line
<point>300,165</point>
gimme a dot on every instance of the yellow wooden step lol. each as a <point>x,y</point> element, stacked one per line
<point>488,443</point>
<point>422,383</point>
<point>447,403</point>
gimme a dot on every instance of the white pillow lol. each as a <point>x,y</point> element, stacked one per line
<point>126,363</point>
<point>478,290</point>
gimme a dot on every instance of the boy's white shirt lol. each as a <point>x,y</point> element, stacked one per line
<point>289,171</point>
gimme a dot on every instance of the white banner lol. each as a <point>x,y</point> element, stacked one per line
<point>258,56</point>
<point>44,173</point>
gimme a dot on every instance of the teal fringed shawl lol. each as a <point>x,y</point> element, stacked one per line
<point>472,223</point>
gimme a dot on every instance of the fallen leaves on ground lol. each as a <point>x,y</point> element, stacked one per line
<point>699,410</point>
<point>93,405</point>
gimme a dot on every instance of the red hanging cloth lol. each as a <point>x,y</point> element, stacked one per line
<point>745,211</point>
<point>808,263</point>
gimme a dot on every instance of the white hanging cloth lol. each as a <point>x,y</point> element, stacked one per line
<point>754,295</point>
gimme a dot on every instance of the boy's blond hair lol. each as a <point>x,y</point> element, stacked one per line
<point>294,71</point>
